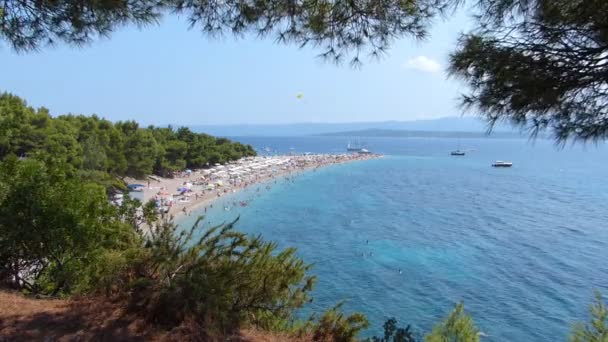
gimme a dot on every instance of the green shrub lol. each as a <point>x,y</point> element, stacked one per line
<point>392,333</point>
<point>597,331</point>
<point>458,327</point>
<point>54,229</point>
<point>335,326</point>
<point>220,278</point>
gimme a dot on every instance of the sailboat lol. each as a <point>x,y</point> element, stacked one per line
<point>354,147</point>
<point>458,152</point>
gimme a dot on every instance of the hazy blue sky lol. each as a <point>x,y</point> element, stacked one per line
<point>169,74</point>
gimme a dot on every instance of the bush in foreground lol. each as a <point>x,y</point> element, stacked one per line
<point>55,231</point>
<point>220,278</point>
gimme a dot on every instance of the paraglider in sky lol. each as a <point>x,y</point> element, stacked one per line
<point>299,96</point>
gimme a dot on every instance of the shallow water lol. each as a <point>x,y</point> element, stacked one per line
<point>522,247</point>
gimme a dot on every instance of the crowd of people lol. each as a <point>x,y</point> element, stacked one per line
<point>193,188</point>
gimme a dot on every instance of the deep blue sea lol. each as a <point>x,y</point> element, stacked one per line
<point>524,247</point>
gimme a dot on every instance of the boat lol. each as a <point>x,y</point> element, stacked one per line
<point>500,163</point>
<point>458,151</point>
<point>354,147</point>
<point>364,151</point>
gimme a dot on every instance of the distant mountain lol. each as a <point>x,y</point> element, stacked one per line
<point>421,134</point>
<point>447,124</point>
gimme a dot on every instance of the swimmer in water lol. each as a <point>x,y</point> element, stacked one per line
<point>400,271</point>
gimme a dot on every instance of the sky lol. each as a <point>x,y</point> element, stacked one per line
<point>168,74</point>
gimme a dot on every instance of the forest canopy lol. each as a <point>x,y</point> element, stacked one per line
<point>90,144</point>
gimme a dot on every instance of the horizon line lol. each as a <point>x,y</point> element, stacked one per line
<point>321,122</point>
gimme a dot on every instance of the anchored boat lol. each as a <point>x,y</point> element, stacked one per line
<point>356,147</point>
<point>500,163</point>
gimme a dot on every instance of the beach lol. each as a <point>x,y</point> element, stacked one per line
<point>193,189</point>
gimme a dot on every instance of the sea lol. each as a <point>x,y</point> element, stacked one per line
<point>412,234</point>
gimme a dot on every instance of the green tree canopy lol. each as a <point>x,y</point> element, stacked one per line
<point>340,28</point>
<point>597,330</point>
<point>539,64</point>
<point>91,145</point>
<point>53,229</point>
<point>458,327</point>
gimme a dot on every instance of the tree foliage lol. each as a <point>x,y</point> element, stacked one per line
<point>340,28</point>
<point>216,275</point>
<point>539,64</point>
<point>334,325</point>
<point>54,230</point>
<point>393,333</point>
<point>597,329</point>
<point>91,145</point>
<point>458,327</point>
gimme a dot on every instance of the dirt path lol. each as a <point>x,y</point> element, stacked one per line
<point>25,319</point>
<point>97,319</point>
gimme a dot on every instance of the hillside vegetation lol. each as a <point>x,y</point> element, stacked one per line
<point>89,144</point>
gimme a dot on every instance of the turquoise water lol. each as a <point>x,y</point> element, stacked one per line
<point>524,248</point>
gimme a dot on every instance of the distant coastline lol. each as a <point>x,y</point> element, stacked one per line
<point>445,124</point>
<point>394,133</point>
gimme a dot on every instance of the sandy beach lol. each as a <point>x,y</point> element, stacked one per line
<point>193,189</point>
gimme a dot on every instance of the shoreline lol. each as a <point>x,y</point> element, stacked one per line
<point>203,192</point>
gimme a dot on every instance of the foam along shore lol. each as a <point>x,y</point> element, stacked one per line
<point>196,188</point>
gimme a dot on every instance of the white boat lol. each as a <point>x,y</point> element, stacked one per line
<point>500,163</point>
<point>363,151</point>
<point>354,147</point>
